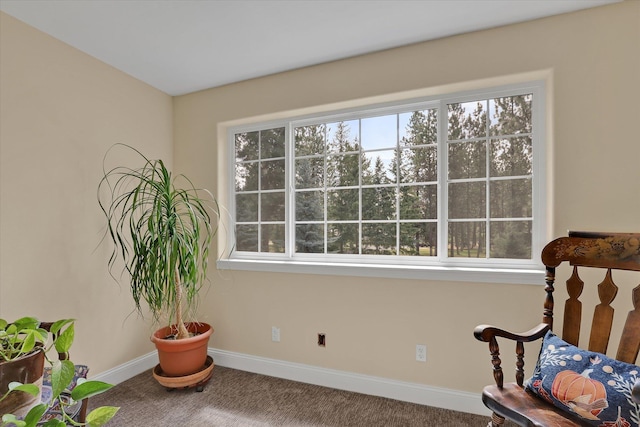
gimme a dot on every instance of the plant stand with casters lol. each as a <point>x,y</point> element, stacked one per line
<point>197,380</point>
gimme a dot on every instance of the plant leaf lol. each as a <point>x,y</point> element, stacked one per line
<point>88,389</point>
<point>59,325</point>
<point>11,419</point>
<point>28,343</point>
<point>41,335</point>
<point>65,339</point>
<point>32,389</point>
<point>12,329</point>
<point>61,376</point>
<point>26,323</point>
<point>54,423</point>
<point>34,415</point>
<point>101,415</point>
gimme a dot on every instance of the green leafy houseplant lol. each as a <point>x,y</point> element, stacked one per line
<point>24,337</point>
<point>161,232</point>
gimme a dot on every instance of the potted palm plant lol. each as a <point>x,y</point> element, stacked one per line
<point>161,228</point>
<point>25,344</point>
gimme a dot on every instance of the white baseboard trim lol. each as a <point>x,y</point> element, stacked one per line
<point>399,390</point>
<point>376,386</point>
<point>128,370</point>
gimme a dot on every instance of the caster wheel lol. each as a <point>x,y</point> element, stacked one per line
<point>199,389</point>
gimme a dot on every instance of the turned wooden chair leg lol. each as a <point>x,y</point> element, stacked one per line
<point>496,420</point>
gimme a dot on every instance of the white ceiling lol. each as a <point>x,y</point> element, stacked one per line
<point>181,46</point>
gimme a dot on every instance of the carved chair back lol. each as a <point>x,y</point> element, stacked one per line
<point>610,252</point>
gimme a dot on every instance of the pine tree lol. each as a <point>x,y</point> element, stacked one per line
<point>272,174</point>
<point>378,203</point>
<point>343,176</point>
<point>475,125</point>
<point>511,155</point>
<point>247,175</point>
<point>309,173</point>
<point>456,198</point>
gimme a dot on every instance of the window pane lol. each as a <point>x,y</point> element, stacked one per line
<point>309,206</point>
<point>467,200</point>
<point>511,239</point>
<point>342,205</point>
<point>511,156</point>
<point>246,146</point>
<point>272,238</point>
<point>309,140</point>
<point>343,137</point>
<point>379,167</point>
<point>379,239</point>
<point>343,170</point>
<point>310,238</point>
<point>272,206</point>
<point>378,203</point>
<point>419,127</point>
<point>379,132</point>
<point>310,173</point>
<point>246,207</point>
<point>247,238</point>
<point>467,160</point>
<point>419,239</point>
<point>419,164</point>
<point>342,238</point>
<point>272,175</point>
<point>272,143</point>
<point>467,120</point>
<point>404,134</point>
<point>511,115</point>
<point>247,176</point>
<point>511,198</point>
<point>419,202</point>
<point>467,239</point>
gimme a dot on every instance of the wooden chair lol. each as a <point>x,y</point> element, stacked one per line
<point>81,371</point>
<point>606,251</point>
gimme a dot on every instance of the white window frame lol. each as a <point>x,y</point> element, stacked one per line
<point>439,267</point>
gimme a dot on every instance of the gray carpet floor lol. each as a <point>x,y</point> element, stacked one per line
<point>238,398</point>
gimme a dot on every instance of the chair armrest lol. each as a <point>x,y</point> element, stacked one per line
<point>486,333</point>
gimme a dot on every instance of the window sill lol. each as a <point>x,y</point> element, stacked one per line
<point>460,274</point>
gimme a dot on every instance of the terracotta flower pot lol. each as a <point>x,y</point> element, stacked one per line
<point>186,356</point>
<point>27,370</point>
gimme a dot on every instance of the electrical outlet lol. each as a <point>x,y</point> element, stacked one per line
<point>322,340</point>
<point>421,353</point>
<point>275,334</point>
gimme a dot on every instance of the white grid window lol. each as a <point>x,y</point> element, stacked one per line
<point>446,183</point>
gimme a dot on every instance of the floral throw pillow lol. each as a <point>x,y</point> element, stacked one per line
<point>589,385</point>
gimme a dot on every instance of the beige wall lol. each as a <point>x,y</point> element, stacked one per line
<point>60,110</point>
<point>591,60</point>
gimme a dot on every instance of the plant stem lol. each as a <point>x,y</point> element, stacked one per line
<point>182,329</point>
